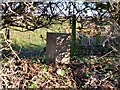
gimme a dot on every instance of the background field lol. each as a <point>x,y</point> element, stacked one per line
<point>31,42</point>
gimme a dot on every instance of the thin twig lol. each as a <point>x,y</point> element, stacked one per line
<point>13,50</point>
<point>105,54</point>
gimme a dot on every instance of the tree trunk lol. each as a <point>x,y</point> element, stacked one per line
<point>7,33</point>
<point>73,45</point>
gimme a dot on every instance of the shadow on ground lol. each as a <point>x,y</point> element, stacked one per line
<point>28,51</point>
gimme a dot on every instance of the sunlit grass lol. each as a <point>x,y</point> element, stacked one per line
<point>33,38</point>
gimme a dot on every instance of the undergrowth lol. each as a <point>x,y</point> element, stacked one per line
<point>90,73</point>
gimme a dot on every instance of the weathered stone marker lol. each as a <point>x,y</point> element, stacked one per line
<point>1,38</point>
<point>58,48</point>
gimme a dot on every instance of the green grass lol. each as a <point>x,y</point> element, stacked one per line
<point>28,38</point>
<point>32,38</point>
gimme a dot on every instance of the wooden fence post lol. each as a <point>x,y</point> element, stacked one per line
<point>1,39</point>
<point>58,48</point>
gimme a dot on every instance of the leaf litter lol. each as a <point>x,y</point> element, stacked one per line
<point>90,73</point>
